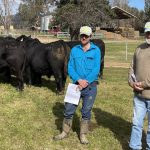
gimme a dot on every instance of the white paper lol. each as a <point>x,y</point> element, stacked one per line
<point>133,77</point>
<point>72,94</point>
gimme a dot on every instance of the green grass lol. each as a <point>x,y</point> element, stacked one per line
<point>30,119</point>
<point>116,51</point>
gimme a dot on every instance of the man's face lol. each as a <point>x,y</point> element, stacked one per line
<point>85,39</point>
<point>147,35</point>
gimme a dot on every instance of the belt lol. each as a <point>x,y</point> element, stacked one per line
<point>94,83</point>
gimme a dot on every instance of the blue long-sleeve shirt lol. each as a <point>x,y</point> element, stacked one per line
<point>84,64</point>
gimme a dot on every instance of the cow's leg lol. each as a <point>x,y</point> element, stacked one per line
<point>64,75</point>
<point>59,81</point>
<point>28,75</point>
<point>19,76</point>
<point>38,80</point>
<point>33,78</point>
<point>16,67</point>
<point>7,75</point>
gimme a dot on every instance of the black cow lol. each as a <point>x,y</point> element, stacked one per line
<point>97,42</point>
<point>50,59</point>
<point>57,56</point>
<point>4,67</point>
<point>46,59</point>
<point>31,45</point>
<point>12,59</point>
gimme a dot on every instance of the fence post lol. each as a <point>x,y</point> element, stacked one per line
<point>126,50</point>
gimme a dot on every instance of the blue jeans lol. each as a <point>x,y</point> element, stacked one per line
<point>141,108</point>
<point>88,97</point>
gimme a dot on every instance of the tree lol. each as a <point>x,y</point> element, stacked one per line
<point>139,22</point>
<point>74,14</point>
<point>121,3</point>
<point>30,10</point>
<point>6,12</point>
<point>147,10</point>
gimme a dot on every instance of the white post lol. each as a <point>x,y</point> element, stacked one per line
<point>126,50</point>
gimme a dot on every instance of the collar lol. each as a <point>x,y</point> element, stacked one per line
<point>92,46</point>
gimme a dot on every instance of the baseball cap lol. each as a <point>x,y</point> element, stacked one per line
<point>85,30</point>
<point>147,27</point>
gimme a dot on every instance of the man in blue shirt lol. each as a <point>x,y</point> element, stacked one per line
<point>83,69</point>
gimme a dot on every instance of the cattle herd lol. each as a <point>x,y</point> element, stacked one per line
<point>29,59</point>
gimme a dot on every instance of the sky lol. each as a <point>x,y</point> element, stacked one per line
<point>133,3</point>
<point>137,3</point>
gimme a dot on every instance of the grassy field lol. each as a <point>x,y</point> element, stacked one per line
<point>30,119</point>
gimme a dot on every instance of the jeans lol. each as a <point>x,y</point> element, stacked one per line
<point>141,108</point>
<point>88,97</point>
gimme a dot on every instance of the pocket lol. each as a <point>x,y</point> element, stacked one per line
<point>89,62</point>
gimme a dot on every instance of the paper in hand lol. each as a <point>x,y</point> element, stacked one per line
<point>133,77</point>
<point>72,94</point>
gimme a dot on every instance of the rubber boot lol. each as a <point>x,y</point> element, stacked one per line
<point>84,128</point>
<point>67,124</point>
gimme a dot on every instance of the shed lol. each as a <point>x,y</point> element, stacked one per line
<point>122,14</point>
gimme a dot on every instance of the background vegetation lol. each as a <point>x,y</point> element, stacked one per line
<point>69,14</point>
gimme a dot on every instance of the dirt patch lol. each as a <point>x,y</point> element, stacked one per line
<point>117,65</point>
<point>47,39</point>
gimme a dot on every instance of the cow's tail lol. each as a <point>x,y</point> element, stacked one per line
<point>24,64</point>
<point>66,52</point>
<point>66,66</point>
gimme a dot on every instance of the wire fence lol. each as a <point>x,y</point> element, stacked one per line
<point>62,35</point>
<point>120,53</point>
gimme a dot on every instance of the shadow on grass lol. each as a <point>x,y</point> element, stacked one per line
<point>45,83</point>
<point>49,84</point>
<point>120,127</point>
<point>12,80</point>
<point>58,111</point>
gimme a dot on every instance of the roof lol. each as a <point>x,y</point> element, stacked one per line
<point>121,13</point>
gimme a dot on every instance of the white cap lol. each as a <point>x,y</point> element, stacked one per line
<point>85,30</point>
<point>147,27</point>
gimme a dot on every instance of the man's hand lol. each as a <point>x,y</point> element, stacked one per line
<point>138,86</point>
<point>80,87</point>
<point>83,83</point>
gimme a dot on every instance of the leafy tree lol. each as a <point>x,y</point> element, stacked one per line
<point>74,14</point>
<point>121,3</point>
<point>147,10</point>
<point>30,10</point>
<point>6,12</point>
<point>139,22</point>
